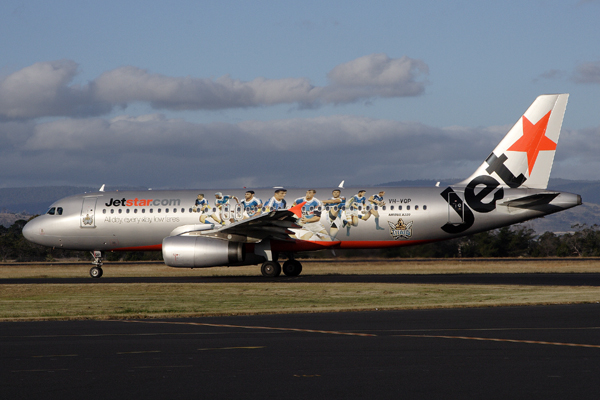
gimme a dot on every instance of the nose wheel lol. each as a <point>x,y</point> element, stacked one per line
<point>96,270</point>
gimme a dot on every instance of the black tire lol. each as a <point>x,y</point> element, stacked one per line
<point>96,272</point>
<point>292,268</point>
<point>271,269</point>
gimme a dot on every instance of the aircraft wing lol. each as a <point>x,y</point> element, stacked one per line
<point>275,224</point>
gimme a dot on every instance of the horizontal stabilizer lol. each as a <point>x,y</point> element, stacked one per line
<point>533,201</point>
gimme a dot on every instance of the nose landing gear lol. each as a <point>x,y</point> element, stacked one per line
<point>96,270</point>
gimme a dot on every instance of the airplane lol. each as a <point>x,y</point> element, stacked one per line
<point>201,228</point>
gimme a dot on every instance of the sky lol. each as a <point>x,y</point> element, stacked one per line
<point>188,94</point>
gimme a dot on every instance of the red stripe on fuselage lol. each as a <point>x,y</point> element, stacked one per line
<point>154,247</point>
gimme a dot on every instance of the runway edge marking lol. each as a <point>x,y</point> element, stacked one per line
<point>252,327</point>
<point>504,340</point>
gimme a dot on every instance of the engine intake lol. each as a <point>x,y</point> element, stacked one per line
<point>197,251</point>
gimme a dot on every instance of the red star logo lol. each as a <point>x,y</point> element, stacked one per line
<point>534,140</point>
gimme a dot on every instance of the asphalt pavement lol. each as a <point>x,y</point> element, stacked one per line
<point>483,353</point>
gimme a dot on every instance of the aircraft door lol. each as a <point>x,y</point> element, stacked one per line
<point>456,214</point>
<point>88,212</point>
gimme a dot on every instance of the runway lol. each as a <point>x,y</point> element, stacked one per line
<point>486,353</point>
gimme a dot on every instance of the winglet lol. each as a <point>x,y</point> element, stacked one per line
<point>297,209</point>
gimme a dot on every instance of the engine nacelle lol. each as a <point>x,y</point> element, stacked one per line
<point>197,251</point>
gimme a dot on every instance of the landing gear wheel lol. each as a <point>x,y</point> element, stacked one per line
<point>96,272</point>
<point>292,268</point>
<point>271,269</point>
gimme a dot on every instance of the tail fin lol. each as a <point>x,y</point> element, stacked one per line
<point>524,157</point>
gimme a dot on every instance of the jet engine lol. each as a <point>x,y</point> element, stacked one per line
<point>197,251</point>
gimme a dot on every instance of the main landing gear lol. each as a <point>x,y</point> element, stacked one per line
<point>272,269</point>
<point>96,270</point>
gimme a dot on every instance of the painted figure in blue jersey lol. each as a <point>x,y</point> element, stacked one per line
<point>376,201</point>
<point>354,207</point>
<point>251,205</point>
<point>277,202</point>
<point>336,205</point>
<point>312,228</point>
<point>224,212</point>
<point>201,206</point>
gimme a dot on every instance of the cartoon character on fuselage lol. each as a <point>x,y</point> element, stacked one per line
<point>251,205</point>
<point>312,228</point>
<point>221,202</point>
<point>277,202</point>
<point>353,212</point>
<point>201,206</point>
<point>377,201</point>
<point>335,205</point>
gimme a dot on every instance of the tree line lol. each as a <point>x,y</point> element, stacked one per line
<point>514,241</point>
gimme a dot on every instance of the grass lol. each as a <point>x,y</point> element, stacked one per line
<point>177,299</point>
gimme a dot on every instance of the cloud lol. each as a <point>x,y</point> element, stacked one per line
<point>376,75</point>
<point>155,151</point>
<point>588,72</point>
<point>552,74</point>
<point>44,89</point>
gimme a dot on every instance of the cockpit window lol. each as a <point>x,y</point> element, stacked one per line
<point>51,211</point>
<point>59,211</point>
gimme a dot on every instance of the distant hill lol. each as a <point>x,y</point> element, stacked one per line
<point>7,219</point>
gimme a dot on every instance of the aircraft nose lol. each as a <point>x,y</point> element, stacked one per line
<point>31,230</point>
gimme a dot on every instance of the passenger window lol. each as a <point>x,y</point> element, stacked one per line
<point>399,207</point>
<point>135,211</point>
<point>112,210</point>
<point>143,211</point>
<point>424,208</point>
<point>416,208</point>
<point>408,207</point>
<point>159,210</point>
<point>392,208</point>
<point>127,211</point>
<point>166,210</point>
<point>104,211</point>
<point>151,210</point>
<point>120,211</point>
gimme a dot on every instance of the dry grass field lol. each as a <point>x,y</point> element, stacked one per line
<point>105,300</point>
